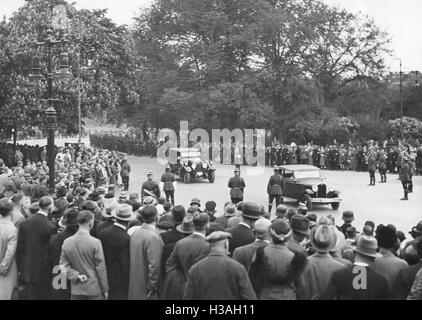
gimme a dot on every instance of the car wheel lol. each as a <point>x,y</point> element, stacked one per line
<point>186,177</point>
<point>335,205</point>
<point>307,200</point>
<point>211,177</point>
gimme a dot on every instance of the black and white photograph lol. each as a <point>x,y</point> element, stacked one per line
<point>224,151</point>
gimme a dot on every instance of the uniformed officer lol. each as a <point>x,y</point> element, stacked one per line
<point>382,167</point>
<point>372,167</point>
<point>150,187</point>
<point>274,189</point>
<point>237,185</point>
<point>405,178</point>
<point>168,181</point>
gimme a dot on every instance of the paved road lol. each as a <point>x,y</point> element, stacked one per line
<point>380,203</point>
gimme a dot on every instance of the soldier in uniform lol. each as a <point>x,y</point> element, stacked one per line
<point>383,167</point>
<point>124,173</point>
<point>237,185</point>
<point>405,178</point>
<point>412,170</point>
<point>168,180</point>
<point>150,188</point>
<point>274,189</point>
<point>372,167</point>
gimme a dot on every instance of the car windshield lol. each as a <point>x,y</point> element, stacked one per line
<point>190,155</point>
<point>307,174</point>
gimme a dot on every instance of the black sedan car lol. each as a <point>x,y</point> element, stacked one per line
<point>304,183</point>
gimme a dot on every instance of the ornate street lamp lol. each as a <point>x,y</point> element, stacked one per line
<point>51,115</point>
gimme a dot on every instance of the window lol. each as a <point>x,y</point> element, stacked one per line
<point>287,174</point>
<point>307,174</point>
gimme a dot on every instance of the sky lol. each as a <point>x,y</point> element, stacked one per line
<point>401,18</point>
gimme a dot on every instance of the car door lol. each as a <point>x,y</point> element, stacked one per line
<point>288,183</point>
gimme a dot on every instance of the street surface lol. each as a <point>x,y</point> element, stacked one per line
<point>380,203</point>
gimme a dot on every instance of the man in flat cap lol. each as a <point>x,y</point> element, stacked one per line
<point>236,185</point>
<point>218,277</point>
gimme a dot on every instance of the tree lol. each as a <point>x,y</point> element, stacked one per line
<point>109,49</point>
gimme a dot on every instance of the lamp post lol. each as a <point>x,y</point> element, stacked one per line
<point>401,102</point>
<point>51,115</point>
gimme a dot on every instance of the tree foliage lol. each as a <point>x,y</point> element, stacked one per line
<point>107,84</point>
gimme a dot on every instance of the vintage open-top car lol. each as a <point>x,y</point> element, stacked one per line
<point>190,166</point>
<point>305,184</point>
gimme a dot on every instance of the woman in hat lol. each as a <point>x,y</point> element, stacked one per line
<point>276,270</point>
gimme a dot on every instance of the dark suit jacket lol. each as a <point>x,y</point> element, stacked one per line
<point>32,250</point>
<point>218,277</point>
<point>404,281</point>
<point>169,239</point>
<point>186,253</point>
<point>245,254</point>
<point>242,236</point>
<point>341,286</point>
<point>102,225</point>
<point>54,251</point>
<point>116,247</point>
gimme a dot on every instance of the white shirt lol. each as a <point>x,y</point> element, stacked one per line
<point>245,224</point>
<point>199,234</point>
<point>120,225</point>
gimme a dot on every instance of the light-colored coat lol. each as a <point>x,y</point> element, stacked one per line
<point>146,248</point>
<point>317,275</point>
<point>8,268</point>
<point>83,254</point>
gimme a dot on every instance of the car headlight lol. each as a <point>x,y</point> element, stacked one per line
<point>193,166</point>
<point>331,189</point>
<point>204,165</point>
<point>314,188</point>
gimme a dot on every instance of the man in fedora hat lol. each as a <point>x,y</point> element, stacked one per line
<point>237,187</point>
<point>416,234</point>
<point>321,265</point>
<point>70,223</point>
<point>83,260</point>
<point>245,254</point>
<point>274,189</point>
<point>242,234</point>
<point>150,187</point>
<point>218,277</point>
<point>186,253</point>
<point>146,248</point>
<point>116,246</point>
<point>107,217</point>
<point>345,283</point>
<point>300,228</point>
<point>168,182</point>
